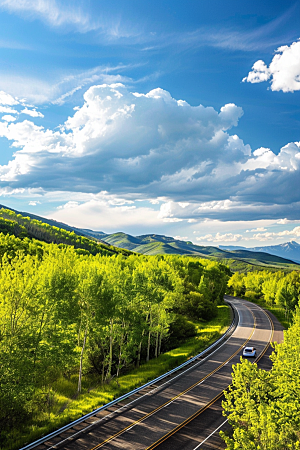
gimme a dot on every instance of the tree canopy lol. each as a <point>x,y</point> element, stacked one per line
<point>65,312</point>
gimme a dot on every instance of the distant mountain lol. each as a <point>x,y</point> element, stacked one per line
<point>153,244</point>
<point>290,250</point>
<point>238,258</point>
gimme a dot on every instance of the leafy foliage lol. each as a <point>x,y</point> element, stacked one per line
<point>276,288</point>
<point>264,407</point>
<point>64,312</point>
<point>18,225</point>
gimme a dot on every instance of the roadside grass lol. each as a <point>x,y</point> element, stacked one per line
<point>67,406</point>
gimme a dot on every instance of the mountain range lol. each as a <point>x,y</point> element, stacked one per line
<point>239,258</point>
<point>290,250</point>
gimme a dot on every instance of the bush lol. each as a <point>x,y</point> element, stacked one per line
<point>180,330</point>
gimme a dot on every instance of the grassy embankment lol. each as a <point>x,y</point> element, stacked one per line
<point>65,407</point>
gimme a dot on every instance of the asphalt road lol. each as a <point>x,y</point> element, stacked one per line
<point>184,412</point>
<point>203,432</point>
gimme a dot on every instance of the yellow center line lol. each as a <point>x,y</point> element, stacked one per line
<point>178,395</point>
<point>201,410</point>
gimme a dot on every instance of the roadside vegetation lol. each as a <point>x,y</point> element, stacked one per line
<point>279,291</point>
<point>72,321</point>
<point>82,323</point>
<point>67,405</point>
<point>263,407</point>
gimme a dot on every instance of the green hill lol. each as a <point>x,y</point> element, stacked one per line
<point>147,244</point>
<point>23,226</point>
<point>153,244</point>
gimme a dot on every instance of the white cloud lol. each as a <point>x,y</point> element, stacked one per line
<point>258,237</point>
<point>59,88</point>
<point>32,112</point>
<point>69,205</point>
<point>285,221</point>
<point>74,15</point>
<point>53,12</point>
<point>7,99</point>
<point>34,203</point>
<point>100,214</point>
<point>283,72</point>
<point>6,109</point>
<point>227,237</point>
<point>295,232</point>
<point>8,118</point>
<point>151,146</point>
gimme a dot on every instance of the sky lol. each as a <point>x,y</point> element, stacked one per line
<point>167,117</point>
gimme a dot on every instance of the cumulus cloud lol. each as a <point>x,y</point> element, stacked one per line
<point>8,118</point>
<point>32,112</point>
<point>227,237</point>
<point>294,233</point>
<point>124,141</point>
<point>258,237</point>
<point>283,72</point>
<point>8,110</point>
<point>152,146</point>
<point>34,203</point>
<point>7,99</point>
<point>100,214</point>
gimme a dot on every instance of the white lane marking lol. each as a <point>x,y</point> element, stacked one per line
<point>271,328</point>
<point>158,387</point>
<point>199,445</point>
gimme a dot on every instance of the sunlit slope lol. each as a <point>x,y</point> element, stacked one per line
<point>25,227</point>
<point>152,244</point>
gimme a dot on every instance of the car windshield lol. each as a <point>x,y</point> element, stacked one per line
<point>250,350</point>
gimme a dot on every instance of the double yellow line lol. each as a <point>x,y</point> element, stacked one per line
<point>217,397</point>
<point>174,398</point>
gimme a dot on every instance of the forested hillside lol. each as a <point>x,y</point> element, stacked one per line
<point>19,225</point>
<point>154,244</point>
<point>239,260</point>
<point>64,312</point>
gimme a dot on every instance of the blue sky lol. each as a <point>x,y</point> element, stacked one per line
<point>178,118</point>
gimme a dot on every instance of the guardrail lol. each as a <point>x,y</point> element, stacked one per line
<point>134,391</point>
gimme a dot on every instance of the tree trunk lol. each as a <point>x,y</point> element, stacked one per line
<point>120,354</point>
<point>108,374</point>
<point>148,346</point>
<point>156,345</point>
<point>159,345</point>
<point>81,359</point>
<point>149,338</point>
<point>139,352</point>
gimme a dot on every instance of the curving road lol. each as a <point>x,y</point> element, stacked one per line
<point>184,412</point>
<point>203,432</point>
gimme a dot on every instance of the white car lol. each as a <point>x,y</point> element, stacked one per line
<point>250,352</point>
